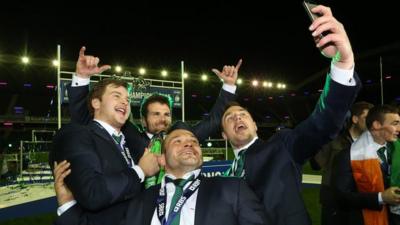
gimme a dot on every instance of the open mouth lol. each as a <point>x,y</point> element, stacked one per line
<point>121,110</point>
<point>240,127</point>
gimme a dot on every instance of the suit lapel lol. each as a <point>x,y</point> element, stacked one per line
<point>251,154</point>
<point>202,202</point>
<point>102,133</point>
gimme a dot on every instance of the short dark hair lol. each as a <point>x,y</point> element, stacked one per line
<point>358,108</point>
<point>162,99</point>
<point>100,87</point>
<point>377,113</point>
<point>229,105</point>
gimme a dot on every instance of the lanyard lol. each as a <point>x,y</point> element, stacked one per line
<point>162,199</point>
<point>125,152</point>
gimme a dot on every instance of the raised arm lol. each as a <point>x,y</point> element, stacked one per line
<point>211,124</point>
<point>340,91</point>
<point>86,66</point>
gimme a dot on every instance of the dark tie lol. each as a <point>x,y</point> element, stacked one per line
<point>117,139</point>
<point>179,184</point>
<point>238,172</point>
<point>384,164</point>
<point>237,167</point>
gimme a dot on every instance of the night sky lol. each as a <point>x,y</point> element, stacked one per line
<point>271,37</point>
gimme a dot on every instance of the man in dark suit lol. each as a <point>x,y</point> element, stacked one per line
<point>361,174</point>
<point>104,172</point>
<point>324,158</point>
<point>155,111</point>
<point>272,168</point>
<point>216,200</point>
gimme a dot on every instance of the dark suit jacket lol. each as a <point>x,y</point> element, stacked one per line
<point>350,201</point>
<point>273,167</point>
<point>139,140</point>
<point>100,178</point>
<point>219,201</point>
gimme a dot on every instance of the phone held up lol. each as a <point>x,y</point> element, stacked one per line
<point>308,6</point>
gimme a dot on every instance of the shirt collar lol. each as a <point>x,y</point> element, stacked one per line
<point>186,176</point>
<point>150,135</point>
<point>236,151</point>
<point>110,130</point>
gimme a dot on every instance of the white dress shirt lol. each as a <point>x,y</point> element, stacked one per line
<point>188,209</point>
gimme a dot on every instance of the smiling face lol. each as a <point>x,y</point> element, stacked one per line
<point>113,106</point>
<point>182,153</point>
<point>390,128</point>
<point>238,126</point>
<point>158,118</point>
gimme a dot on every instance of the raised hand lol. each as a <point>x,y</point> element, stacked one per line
<point>87,65</point>
<point>229,74</point>
<point>335,43</point>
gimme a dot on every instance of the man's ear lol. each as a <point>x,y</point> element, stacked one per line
<point>354,119</point>
<point>95,103</point>
<point>224,136</point>
<point>376,125</point>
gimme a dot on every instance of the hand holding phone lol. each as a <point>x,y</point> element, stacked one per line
<point>308,6</point>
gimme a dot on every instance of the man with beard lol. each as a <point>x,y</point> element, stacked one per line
<point>184,196</point>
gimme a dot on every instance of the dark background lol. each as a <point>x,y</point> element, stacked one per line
<point>271,37</point>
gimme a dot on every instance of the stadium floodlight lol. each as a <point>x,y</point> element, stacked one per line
<point>142,71</point>
<point>118,69</point>
<point>55,62</point>
<point>265,84</point>
<point>25,60</point>
<point>185,75</point>
<point>204,77</point>
<point>254,83</point>
<point>164,73</point>
<point>239,81</point>
<point>209,144</point>
<point>283,86</point>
